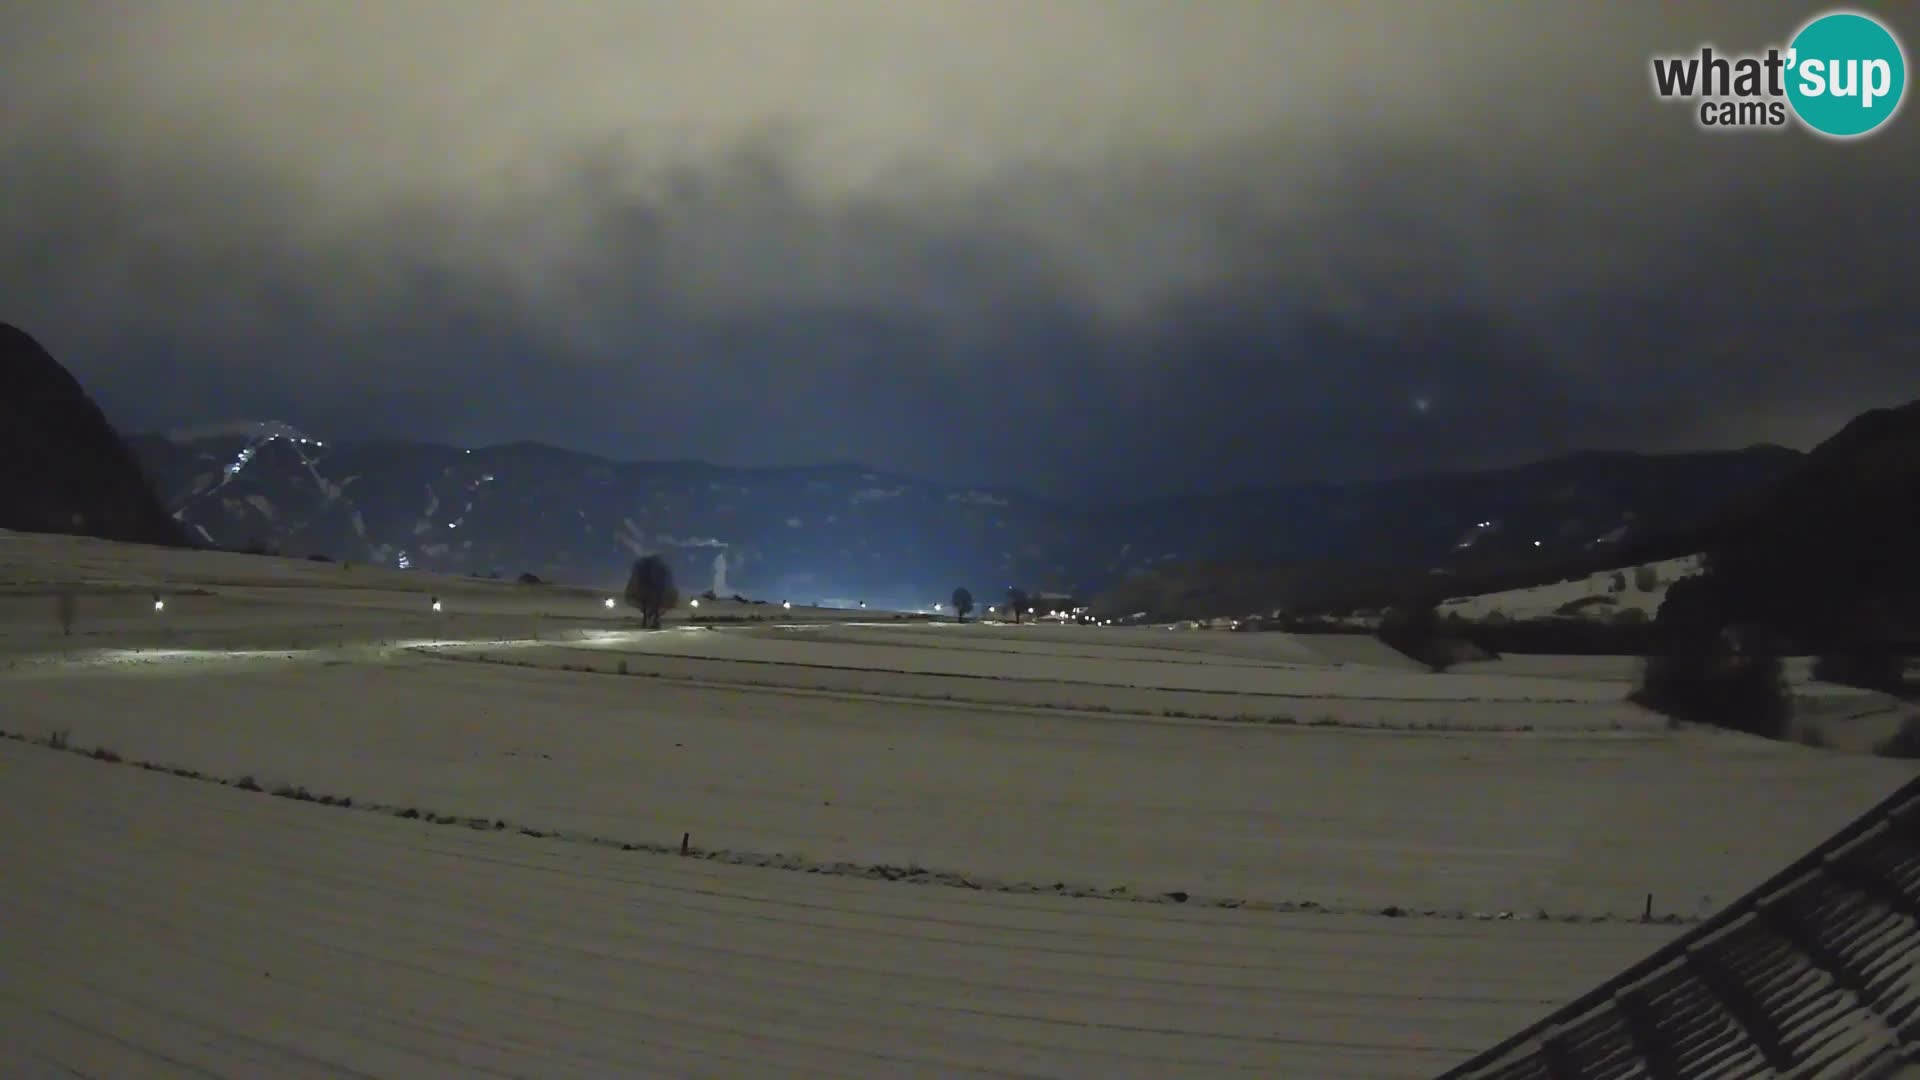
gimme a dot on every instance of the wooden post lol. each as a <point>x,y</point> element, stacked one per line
<point>1647,915</point>
<point>684,838</point>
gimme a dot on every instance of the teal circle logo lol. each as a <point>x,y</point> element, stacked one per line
<point>1847,74</point>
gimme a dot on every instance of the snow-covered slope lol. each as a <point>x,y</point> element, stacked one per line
<point>252,430</point>
<point>1600,596</point>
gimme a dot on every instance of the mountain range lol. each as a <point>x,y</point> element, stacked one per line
<point>838,533</point>
<point>841,533</point>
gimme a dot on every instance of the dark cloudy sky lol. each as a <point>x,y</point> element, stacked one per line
<point>1087,247</point>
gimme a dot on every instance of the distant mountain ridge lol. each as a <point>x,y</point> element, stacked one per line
<point>63,469</point>
<point>1830,548</point>
<point>1824,554</point>
<point>840,532</point>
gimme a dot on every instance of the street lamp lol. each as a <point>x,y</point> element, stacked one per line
<point>159,604</point>
<point>609,602</point>
<point>436,603</point>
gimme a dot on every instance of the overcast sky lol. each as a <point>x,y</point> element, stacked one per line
<point>1086,248</point>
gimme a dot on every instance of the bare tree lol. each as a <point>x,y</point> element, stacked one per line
<point>650,588</point>
<point>962,603</point>
<point>1017,601</point>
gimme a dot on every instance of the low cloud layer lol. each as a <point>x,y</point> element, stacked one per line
<point>1088,248</point>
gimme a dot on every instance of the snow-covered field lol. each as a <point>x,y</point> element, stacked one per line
<point>910,849</point>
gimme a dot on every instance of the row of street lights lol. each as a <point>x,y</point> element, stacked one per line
<point>609,602</point>
<point>160,605</point>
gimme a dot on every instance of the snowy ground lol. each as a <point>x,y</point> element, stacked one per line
<point>1119,852</point>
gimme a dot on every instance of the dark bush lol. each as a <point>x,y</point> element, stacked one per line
<point>1738,692</point>
<point>1568,636</point>
<point>1904,743</point>
<point>1707,671</point>
<point>1416,631</point>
